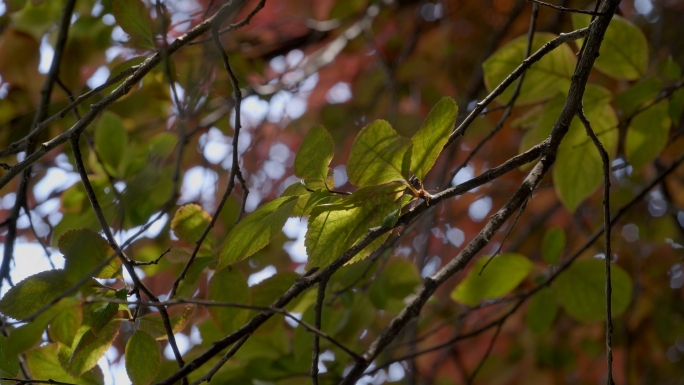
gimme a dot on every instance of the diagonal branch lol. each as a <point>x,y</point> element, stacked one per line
<point>230,353</point>
<point>564,9</point>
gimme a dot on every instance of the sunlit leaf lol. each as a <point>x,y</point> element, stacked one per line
<point>133,17</point>
<point>31,294</point>
<point>543,79</point>
<point>229,285</point>
<point>581,290</point>
<point>379,155</point>
<point>315,154</point>
<point>624,49</point>
<point>84,250</point>
<point>432,136</point>
<point>553,244</point>
<point>503,274</point>
<point>110,139</point>
<point>189,223</point>
<point>647,134</point>
<point>88,350</point>
<point>106,312</point>
<point>542,310</point>
<point>65,325</point>
<point>143,358</point>
<point>153,324</point>
<point>256,230</point>
<point>43,363</point>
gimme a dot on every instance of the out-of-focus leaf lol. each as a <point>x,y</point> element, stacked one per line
<point>9,365</point>
<point>143,358</point>
<point>503,274</point>
<point>31,294</point>
<point>65,325</point>
<point>26,336</point>
<point>638,94</point>
<point>432,136</point>
<point>315,154</point>
<point>179,316</point>
<point>581,290</point>
<point>14,5</point>
<point>379,155</point>
<point>88,350</point>
<point>229,285</point>
<point>188,285</point>
<point>624,50</point>
<point>43,363</point>
<point>189,223</point>
<point>543,79</point>
<point>133,17</point>
<point>334,228</point>
<point>553,244</point>
<point>647,134</point>
<point>85,249</point>
<point>542,310</point>
<point>110,139</point>
<point>677,105</point>
<point>256,230</point>
<point>398,280</point>
<point>671,70</point>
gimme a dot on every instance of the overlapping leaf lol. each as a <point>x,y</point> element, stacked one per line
<point>432,136</point>
<point>647,134</point>
<point>84,250</point>
<point>315,154</point>
<point>43,363</point>
<point>31,294</point>
<point>88,350</point>
<point>229,285</point>
<point>189,223</point>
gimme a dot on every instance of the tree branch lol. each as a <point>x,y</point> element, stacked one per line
<point>230,353</point>
<point>318,309</point>
<point>563,9</point>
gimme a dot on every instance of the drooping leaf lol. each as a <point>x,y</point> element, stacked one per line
<point>143,358</point>
<point>85,249</point>
<point>103,314</point>
<point>432,136</point>
<point>229,285</point>
<point>26,336</point>
<point>333,228</point>
<point>379,155</point>
<point>543,79</point>
<point>578,171</point>
<point>44,363</point>
<point>133,17</point>
<point>9,365</point>
<point>503,274</point>
<point>553,244</point>
<point>256,231</point>
<point>624,50</point>
<point>542,310</point>
<point>110,139</point>
<point>647,134</point>
<point>189,223</point>
<point>638,94</point>
<point>65,325</point>
<point>581,290</point>
<point>31,294</point>
<point>179,316</point>
<point>88,350</point>
<point>315,154</point>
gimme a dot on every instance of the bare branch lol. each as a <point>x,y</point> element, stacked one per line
<point>156,261</point>
<point>563,9</point>
<point>487,353</point>
<point>318,309</point>
<point>230,353</point>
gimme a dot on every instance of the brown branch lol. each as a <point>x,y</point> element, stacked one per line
<point>564,9</point>
<point>606,225</point>
<point>20,381</point>
<point>230,353</point>
<point>156,261</point>
<point>235,26</point>
<point>487,353</point>
<point>318,313</point>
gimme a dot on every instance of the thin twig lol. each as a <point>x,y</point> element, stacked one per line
<point>487,353</point>
<point>230,353</point>
<point>156,261</point>
<point>318,313</point>
<point>235,26</point>
<point>563,9</point>
<point>20,381</point>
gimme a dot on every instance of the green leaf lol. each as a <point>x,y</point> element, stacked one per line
<point>318,184</point>
<point>84,250</point>
<point>624,50</point>
<point>677,106</point>
<point>103,314</point>
<point>671,70</point>
<point>65,325</point>
<point>542,310</point>
<point>578,171</point>
<point>110,139</point>
<point>553,245</point>
<point>315,154</point>
<point>543,79</point>
<point>44,364</point>
<point>398,280</point>
<point>316,198</point>
<point>188,286</point>
<point>647,134</point>
<point>503,274</point>
<point>297,189</point>
<point>153,324</point>
<point>581,290</point>
<point>267,291</point>
<point>432,136</point>
<point>379,155</point>
<point>9,365</point>
<point>143,358</point>
<point>229,285</point>
<point>26,336</point>
<point>638,94</point>
<point>34,292</point>
<point>256,231</point>
<point>133,17</point>
<point>334,228</point>
<point>89,349</point>
<point>189,223</point>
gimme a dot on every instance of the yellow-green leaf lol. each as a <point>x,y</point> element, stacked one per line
<point>256,231</point>
<point>43,363</point>
<point>103,314</point>
<point>624,50</point>
<point>153,324</point>
<point>133,17</point>
<point>65,325</point>
<point>542,310</point>
<point>143,358</point>
<point>677,105</point>
<point>110,139</point>
<point>543,79</point>
<point>581,290</point>
<point>229,285</point>
<point>26,336</point>
<point>189,223</point>
<point>553,244</point>
<point>88,350</point>
<point>85,249</point>
<point>9,365</point>
<point>34,292</point>
<point>432,136</point>
<point>315,154</point>
<point>503,274</point>
<point>647,134</point>
<point>638,94</point>
<point>379,155</point>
